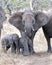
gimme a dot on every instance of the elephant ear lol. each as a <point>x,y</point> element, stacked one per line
<point>16,20</point>
<point>41,19</point>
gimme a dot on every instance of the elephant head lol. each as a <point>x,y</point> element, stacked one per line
<point>24,21</point>
<point>33,21</point>
<point>28,21</point>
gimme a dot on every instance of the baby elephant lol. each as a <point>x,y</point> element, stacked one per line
<point>10,40</point>
<point>26,44</point>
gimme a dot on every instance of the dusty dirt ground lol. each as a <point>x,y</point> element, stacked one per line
<point>41,57</point>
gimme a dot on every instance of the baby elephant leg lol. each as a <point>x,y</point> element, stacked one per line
<point>26,49</point>
<point>13,48</point>
<point>5,48</point>
<point>31,47</point>
<point>5,45</point>
<point>17,47</point>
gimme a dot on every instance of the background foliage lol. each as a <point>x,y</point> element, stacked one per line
<point>41,4</point>
<point>16,5</point>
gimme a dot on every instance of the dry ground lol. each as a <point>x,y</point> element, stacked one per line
<point>41,57</point>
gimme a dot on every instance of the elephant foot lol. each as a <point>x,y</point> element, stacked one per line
<point>26,53</point>
<point>49,51</point>
<point>32,52</point>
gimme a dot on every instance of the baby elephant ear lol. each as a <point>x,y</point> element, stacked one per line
<point>41,18</point>
<point>2,15</point>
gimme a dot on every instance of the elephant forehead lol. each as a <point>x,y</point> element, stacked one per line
<point>27,17</point>
<point>28,11</point>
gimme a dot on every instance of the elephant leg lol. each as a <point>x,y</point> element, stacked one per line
<point>26,49</point>
<point>17,47</point>
<point>4,47</point>
<point>48,40</point>
<point>31,50</point>
<point>48,43</point>
<point>31,47</point>
<point>7,47</point>
<point>13,48</point>
<point>18,50</point>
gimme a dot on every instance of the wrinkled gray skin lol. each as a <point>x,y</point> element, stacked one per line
<point>2,18</point>
<point>47,29</point>
<point>29,22</point>
<point>10,40</point>
<point>17,20</point>
<point>26,44</point>
<point>41,19</point>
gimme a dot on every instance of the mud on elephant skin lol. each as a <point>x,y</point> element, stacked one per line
<point>10,41</point>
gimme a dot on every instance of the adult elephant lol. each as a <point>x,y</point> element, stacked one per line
<point>17,20</point>
<point>2,18</point>
<point>47,29</point>
<point>40,20</point>
<point>29,22</point>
